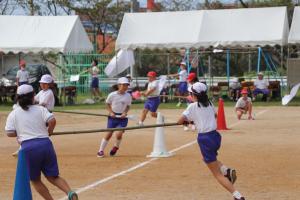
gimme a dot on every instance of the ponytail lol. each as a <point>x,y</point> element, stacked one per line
<point>25,100</point>
<point>202,98</point>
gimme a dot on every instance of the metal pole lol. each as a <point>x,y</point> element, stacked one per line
<point>249,62</point>
<point>168,64</point>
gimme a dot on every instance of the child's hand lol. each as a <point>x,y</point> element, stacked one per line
<point>112,114</point>
<point>250,117</point>
<point>124,115</point>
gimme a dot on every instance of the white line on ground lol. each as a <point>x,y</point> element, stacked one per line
<point>99,182</point>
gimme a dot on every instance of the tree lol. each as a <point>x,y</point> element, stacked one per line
<point>43,7</point>
<point>102,14</point>
<point>7,7</point>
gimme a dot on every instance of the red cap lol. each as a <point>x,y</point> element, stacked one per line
<point>191,76</point>
<point>22,62</point>
<point>152,74</point>
<point>244,91</point>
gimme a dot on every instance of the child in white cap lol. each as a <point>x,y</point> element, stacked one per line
<point>27,122</point>
<point>118,104</point>
<point>202,112</point>
<point>45,97</point>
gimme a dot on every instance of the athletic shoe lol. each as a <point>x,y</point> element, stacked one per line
<point>72,196</point>
<point>193,127</point>
<point>100,154</point>
<point>231,175</point>
<point>185,128</point>
<point>140,123</point>
<point>15,154</point>
<point>113,151</point>
<point>242,198</point>
<point>179,104</point>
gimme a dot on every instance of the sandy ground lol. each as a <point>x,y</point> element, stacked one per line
<point>265,152</point>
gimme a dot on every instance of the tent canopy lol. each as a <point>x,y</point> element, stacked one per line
<point>204,28</point>
<point>35,34</point>
<point>294,36</point>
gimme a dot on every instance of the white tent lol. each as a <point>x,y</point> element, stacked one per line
<point>204,28</point>
<point>35,34</point>
<point>294,36</point>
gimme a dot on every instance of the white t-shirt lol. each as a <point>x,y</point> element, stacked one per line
<point>203,117</point>
<point>234,85</point>
<point>30,124</point>
<point>183,75</point>
<point>95,71</point>
<point>23,75</point>
<point>118,101</point>
<point>241,103</point>
<point>45,97</point>
<point>152,85</point>
<point>261,84</point>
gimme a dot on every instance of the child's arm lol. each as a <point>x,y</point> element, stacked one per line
<point>110,111</point>
<point>124,114</point>
<point>51,125</point>
<point>148,92</point>
<point>182,120</point>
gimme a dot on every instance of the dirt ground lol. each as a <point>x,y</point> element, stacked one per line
<point>265,152</point>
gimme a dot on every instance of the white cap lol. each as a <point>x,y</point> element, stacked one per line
<point>47,78</point>
<point>198,87</point>
<point>24,89</point>
<point>123,80</point>
<point>128,75</point>
<point>235,80</point>
<point>183,63</point>
<point>260,73</point>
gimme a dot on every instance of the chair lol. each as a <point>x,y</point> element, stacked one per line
<point>71,93</point>
<point>224,88</point>
<point>274,87</point>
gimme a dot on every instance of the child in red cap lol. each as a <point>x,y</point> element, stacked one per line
<point>244,105</point>
<point>152,94</point>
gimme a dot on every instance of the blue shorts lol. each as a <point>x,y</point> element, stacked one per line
<point>41,157</point>
<point>182,87</point>
<point>95,82</point>
<point>23,83</point>
<point>209,144</point>
<point>115,122</point>
<point>152,104</point>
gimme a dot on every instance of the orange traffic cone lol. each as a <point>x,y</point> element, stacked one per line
<point>221,122</point>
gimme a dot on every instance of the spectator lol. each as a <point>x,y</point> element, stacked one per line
<point>130,87</point>
<point>22,74</point>
<point>234,89</point>
<point>261,87</point>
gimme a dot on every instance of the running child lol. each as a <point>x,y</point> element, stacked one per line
<point>118,104</point>
<point>202,112</point>
<point>244,105</point>
<point>27,122</point>
<point>153,100</point>
<point>182,87</point>
<point>45,97</point>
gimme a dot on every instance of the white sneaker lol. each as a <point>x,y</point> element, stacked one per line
<point>185,128</point>
<point>193,127</point>
<point>140,123</point>
<point>179,104</point>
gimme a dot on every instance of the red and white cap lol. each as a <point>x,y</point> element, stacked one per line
<point>183,63</point>
<point>199,87</point>
<point>24,89</point>
<point>47,78</point>
<point>123,80</point>
<point>151,74</point>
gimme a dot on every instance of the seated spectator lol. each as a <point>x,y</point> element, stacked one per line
<point>234,89</point>
<point>261,87</point>
<point>244,105</point>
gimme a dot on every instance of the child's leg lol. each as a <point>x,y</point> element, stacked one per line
<point>41,189</point>
<point>119,136</point>
<point>61,184</point>
<point>143,115</point>
<point>215,169</point>
<point>154,114</point>
<point>105,140</point>
<point>239,113</point>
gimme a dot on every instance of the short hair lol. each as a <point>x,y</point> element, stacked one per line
<point>95,61</point>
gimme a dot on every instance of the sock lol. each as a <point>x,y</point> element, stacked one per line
<point>118,142</point>
<point>140,123</point>
<point>237,195</point>
<point>223,169</point>
<point>104,142</point>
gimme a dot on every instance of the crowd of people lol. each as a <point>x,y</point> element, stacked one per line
<point>200,115</point>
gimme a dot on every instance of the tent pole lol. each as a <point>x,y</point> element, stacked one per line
<point>249,61</point>
<point>168,63</point>
<point>281,60</point>
<point>228,64</point>
<point>258,59</point>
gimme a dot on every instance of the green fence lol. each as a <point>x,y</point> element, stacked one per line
<point>78,64</point>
